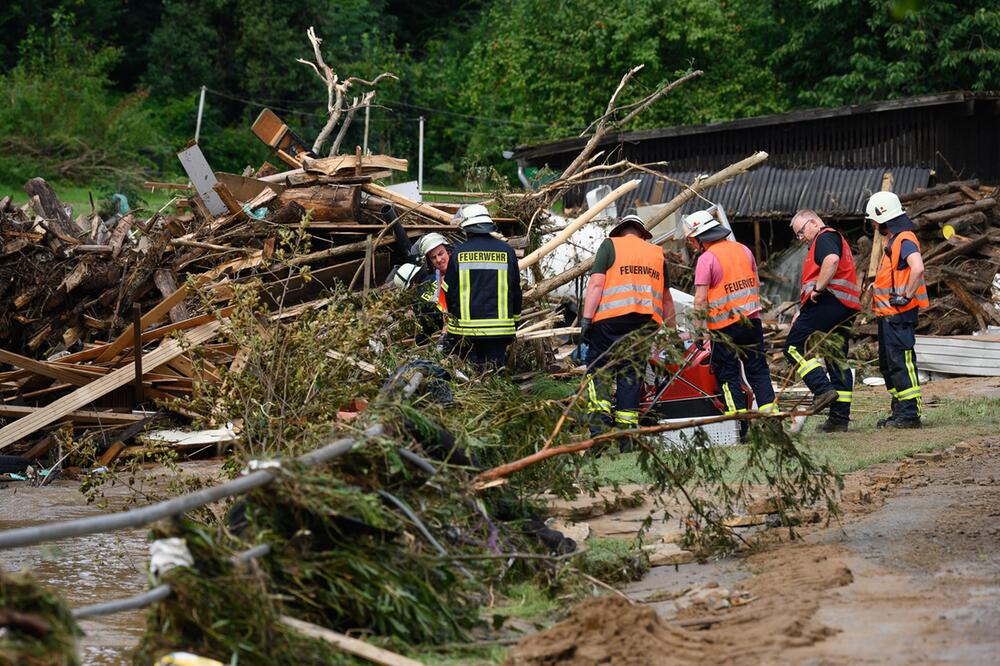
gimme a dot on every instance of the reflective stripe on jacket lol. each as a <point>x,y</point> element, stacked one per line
<point>843,285</point>
<point>482,289</point>
<point>737,294</point>
<point>634,282</point>
<point>433,293</point>
<point>891,280</point>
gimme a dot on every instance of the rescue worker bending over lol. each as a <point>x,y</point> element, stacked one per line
<point>482,291</point>
<point>899,292</point>
<point>727,287</point>
<point>828,299</point>
<point>432,250</point>
<point>628,291</point>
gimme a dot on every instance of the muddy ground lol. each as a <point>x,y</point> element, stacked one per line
<point>910,575</point>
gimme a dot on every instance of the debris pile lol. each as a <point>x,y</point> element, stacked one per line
<point>958,225</point>
<point>36,626</point>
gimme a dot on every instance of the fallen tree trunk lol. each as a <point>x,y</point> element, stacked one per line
<point>545,286</point>
<point>326,202</point>
<point>944,215</point>
<point>571,228</point>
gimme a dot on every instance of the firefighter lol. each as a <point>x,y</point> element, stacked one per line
<point>628,291</point>
<point>482,291</point>
<point>899,293</point>
<point>727,289</point>
<point>828,299</point>
<point>433,249</point>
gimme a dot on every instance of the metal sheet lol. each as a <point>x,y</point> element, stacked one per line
<point>201,175</point>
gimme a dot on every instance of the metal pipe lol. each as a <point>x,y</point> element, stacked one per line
<point>27,536</point>
<point>158,593</point>
<point>420,157</point>
<point>201,110</point>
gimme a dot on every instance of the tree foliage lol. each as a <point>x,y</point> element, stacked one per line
<point>486,74</point>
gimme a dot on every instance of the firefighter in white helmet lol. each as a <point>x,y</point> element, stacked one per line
<point>899,293</point>
<point>482,291</point>
<point>628,295</point>
<point>727,290</point>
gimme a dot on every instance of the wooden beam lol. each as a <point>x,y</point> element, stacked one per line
<point>77,416</point>
<point>376,655</point>
<point>407,203</point>
<point>45,369</point>
<point>167,351</point>
<point>159,311</point>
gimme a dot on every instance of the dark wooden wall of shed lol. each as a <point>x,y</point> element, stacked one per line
<point>956,140</point>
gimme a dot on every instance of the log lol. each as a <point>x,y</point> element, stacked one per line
<point>937,189</point>
<point>408,204</point>
<point>167,285</point>
<point>54,210</point>
<point>167,351</point>
<point>964,222</point>
<point>967,247</point>
<point>563,235</point>
<point>326,202</point>
<point>928,204</point>
<point>943,215</point>
<point>974,308</point>
<point>350,645</point>
<point>545,286</point>
<point>340,250</point>
<point>290,213</point>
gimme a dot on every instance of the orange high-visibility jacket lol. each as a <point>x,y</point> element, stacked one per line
<point>634,282</point>
<point>737,293</point>
<point>843,285</point>
<point>891,280</point>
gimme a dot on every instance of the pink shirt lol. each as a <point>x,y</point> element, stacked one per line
<point>708,270</point>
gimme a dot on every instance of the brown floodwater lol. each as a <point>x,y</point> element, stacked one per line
<point>85,570</point>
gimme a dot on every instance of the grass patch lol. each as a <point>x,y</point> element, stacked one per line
<point>78,196</point>
<point>946,422</point>
<point>526,601</point>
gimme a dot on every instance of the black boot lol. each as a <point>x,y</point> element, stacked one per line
<point>833,425</point>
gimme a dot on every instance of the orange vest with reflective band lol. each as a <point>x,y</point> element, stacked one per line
<point>890,280</point>
<point>634,282</point>
<point>737,294</point>
<point>843,285</point>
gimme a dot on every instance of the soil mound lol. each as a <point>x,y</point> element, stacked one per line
<point>608,631</point>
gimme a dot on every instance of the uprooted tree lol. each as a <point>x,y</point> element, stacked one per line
<point>336,96</point>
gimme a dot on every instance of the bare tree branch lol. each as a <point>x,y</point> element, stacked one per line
<point>336,90</point>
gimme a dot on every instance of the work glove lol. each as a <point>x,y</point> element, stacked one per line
<point>585,324</point>
<point>898,300</point>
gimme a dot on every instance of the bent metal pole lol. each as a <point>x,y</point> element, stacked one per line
<point>28,536</point>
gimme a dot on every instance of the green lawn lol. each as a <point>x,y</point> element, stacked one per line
<point>78,196</point>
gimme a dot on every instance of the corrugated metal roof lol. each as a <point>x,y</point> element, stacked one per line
<point>769,192</point>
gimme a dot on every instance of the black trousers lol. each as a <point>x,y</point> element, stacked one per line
<point>827,316</point>
<point>483,352</point>
<point>741,345</point>
<point>612,346</point>
<point>898,363</point>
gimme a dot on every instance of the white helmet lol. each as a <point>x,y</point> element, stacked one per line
<point>405,274</point>
<point>428,242</point>
<point>882,207</point>
<point>698,223</point>
<point>630,220</point>
<point>476,218</point>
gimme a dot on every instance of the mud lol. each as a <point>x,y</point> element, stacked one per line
<point>86,570</point>
<point>911,574</point>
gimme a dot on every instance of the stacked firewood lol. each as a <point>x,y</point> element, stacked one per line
<point>958,225</point>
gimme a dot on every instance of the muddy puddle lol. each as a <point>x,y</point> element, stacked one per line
<point>86,570</point>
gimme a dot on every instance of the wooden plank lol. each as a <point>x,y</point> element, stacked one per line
<point>407,203</point>
<point>164,280</point>
<point>167,351</point>
<point>350,645</point>
<point>77,416</point>
<point>44,369</point>
<point>159,311</point>
<point>332,165</point>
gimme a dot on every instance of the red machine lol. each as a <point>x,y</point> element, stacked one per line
<point>682,390</point>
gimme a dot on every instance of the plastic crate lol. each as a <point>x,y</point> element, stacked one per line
<point>721,433</point>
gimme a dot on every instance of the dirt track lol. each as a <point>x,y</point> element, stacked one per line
<point>912,575</point>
